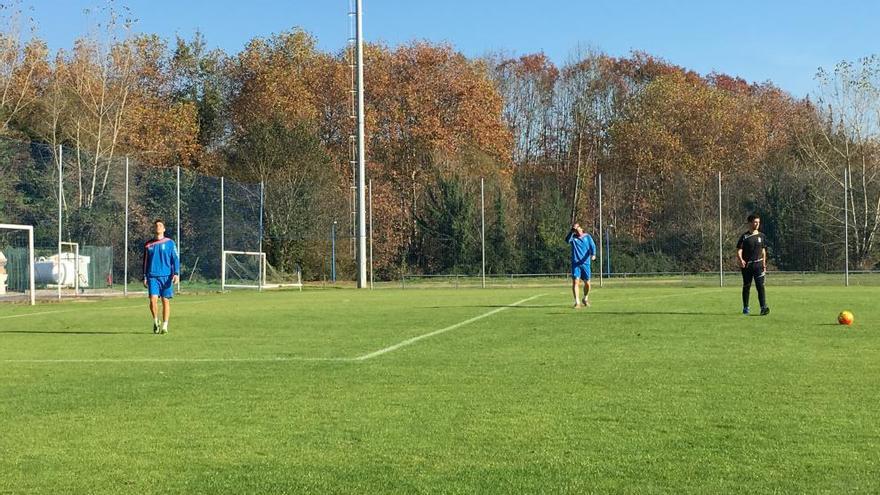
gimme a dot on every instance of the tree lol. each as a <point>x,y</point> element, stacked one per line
<point>448,235</point>
<point>298,178</point>
<point>432,112</point>
<point>23,67</point>
<point>844,138</point>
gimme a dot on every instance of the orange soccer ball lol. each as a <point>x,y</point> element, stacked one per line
<point>845,318</point>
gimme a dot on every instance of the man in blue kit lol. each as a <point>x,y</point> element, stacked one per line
<point>583,251</point>
<point>161,272</point>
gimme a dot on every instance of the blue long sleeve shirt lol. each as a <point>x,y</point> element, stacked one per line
<point>161,258</point>
<point>582,249</point>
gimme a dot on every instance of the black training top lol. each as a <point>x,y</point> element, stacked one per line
<point>752,246</point>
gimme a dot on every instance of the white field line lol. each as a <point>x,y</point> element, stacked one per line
<point>279,359</point>
<point>442,330</point>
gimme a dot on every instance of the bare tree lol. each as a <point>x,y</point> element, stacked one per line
<point>845,139</point>
<point>23,66</point>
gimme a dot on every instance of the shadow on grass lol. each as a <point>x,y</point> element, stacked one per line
<point>75,332</point>
<point>590,310</point>
<point>635,313</point>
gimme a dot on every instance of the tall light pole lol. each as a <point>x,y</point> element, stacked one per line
<point>361,200</point>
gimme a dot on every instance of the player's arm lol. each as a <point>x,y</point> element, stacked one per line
<point>175,265</point>
<point>739,253</point>
<point>570,236</point>
<point>592,249</point>
<point>144,278</point>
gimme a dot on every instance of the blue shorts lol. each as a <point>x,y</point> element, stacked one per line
<point>582,272</point>
<point>161,286</point>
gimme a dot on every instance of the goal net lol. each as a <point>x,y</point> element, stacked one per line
<point>17,263</point>
<point>250,270</point>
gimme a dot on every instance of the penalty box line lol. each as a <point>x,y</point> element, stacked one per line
<point>364,357</point>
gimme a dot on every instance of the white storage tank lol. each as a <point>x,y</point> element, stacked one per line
<point>50,271</point>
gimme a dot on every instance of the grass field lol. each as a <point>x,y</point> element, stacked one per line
<point>652,390</point>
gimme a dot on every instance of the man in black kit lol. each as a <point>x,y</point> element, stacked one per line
<point>751,252</point>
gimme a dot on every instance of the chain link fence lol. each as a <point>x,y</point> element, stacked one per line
<point>463,233</point>
<point>104,210</point>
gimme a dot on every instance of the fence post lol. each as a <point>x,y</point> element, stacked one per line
<point>483,228</point>
<point>846,227</point>
<point>720,237</point>
<point>177,240</point>
<point>370,188</point>
<point>125,267</point>
<point>601,234</point>
<point>60,200</point>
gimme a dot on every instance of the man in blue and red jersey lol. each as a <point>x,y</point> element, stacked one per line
<point>161,272</point>
<point>583,251</point>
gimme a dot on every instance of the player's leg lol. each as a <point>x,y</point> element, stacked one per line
<point>575,291</point>
<point>759,285</point>
<point>166,313</point>
<point>747,287</point>
<point>154,310</point>
<point>167,294</point>
<point>153,293</point>
<point>587,287</point>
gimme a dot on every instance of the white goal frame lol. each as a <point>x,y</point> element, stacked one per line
<point>30,231</point>
<point>77,266</point>
<point>261,282</point>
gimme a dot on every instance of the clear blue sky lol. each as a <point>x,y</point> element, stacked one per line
<point>783,41</point>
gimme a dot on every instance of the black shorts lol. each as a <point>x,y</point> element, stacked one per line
<point>754,271</point>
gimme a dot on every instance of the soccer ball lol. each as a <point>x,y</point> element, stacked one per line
<point>845,318</point>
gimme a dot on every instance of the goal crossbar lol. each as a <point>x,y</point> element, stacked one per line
<point>30,231</point>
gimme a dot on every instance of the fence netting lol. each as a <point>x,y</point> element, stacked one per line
<point>436,236</point>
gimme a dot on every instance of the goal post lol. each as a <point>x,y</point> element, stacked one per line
<point>250,270</point>
<point>242,270</point>
<point>277,279</point>
<point>4,275</point>
<point>77,279</point>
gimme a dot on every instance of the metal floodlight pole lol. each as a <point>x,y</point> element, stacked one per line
<point>60,200</point>
<point>125,266</point>
<point>362,227</point>
<point>846,227</point>
<point>483,227</point>
<point>720,237</point>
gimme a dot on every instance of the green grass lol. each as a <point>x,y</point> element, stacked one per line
<point>652,390</point>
